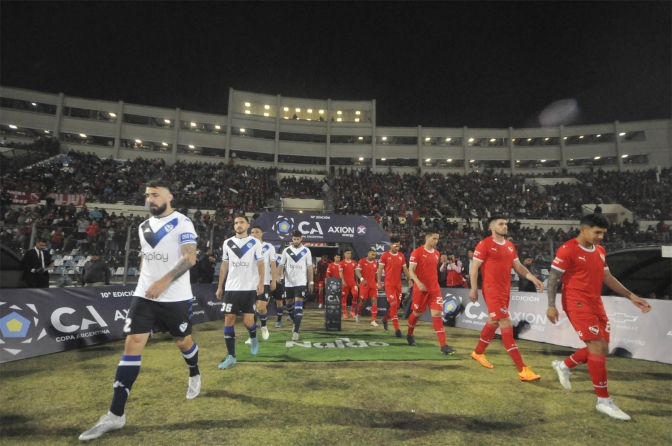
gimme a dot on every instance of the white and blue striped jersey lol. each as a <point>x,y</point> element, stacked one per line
<point>242,255</point>
<point>268,251</point>
<point>296,262</point>
<point>161,240</point>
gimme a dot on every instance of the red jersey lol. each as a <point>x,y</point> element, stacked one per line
<point>347,267</point>
<point>333,270</point>
<point>321,270</point>
<point>426,265</point>
<point>583,272</point>
<point>497,263</point>
<point>368,269</point>
<point>393,265</point>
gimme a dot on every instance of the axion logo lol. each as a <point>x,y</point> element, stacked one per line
<point>15,328</point>
<point>361,230</point>
<point>341,230</point>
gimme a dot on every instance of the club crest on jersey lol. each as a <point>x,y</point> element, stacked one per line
<point>594,329</point>
<point>502,310</point>
<point>169,227</point>
<point>249,245</point>
<point>602,257</point>
<point>510,249</point>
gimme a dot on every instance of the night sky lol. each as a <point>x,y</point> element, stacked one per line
<point>432,64</point>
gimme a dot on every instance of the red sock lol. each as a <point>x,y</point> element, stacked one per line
<point>395,318</point>
<point>487,334</point>
<point>412,320</point>
<point>597,367</point>
<point>360,307</point>
<point>512,348</point>
<point>374,312</point>
<point>437,321</point>
<point>579,357</point>
<point>344,302</point>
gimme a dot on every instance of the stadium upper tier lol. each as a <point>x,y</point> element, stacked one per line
<point>297,133</point>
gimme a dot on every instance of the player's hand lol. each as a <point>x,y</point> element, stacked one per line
<point>552,314</point>
<point>539,284</point>
<point>380,286</point>
<point>421,286</point>
<point>219,293</point>
<point>273,285</point>
<point>156,289</point>
<point>473,295</point>
<point>260,288</point>
<point>364,282</point>
<point>640,303</point>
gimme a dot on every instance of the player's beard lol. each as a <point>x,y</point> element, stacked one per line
<point>158,210</point>
<point>501,234</point>
<point>296,245</point>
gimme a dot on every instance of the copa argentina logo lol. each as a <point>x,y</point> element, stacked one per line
<point>333,286</point>
<point>283,226</point>
<point>20,328</point>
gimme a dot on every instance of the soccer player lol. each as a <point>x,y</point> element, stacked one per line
<point>279,293</point>
<point>161,299</point>
<point>297,264</point>
<point>495,256</point>
<point>321,273</point>
<point>581,265</point>
<point>243,269</point>
<point>334,271</point>
<point>423,271</point>
<point>349,284</point>
<point>366,273</point>
<point>270,278</point>
<point>392,262</point>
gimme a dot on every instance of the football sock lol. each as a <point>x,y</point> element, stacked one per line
<point>230,338</point>
<point>579,357</point>
<point>412,320</point>
<point>597,367</point>
<point>344,303</point>
<point>127,372</point>
<point>263,318</point>
<point>437,321</point>
<point>291,310</point>
<point>191,358</point>
<point>392,314</point>
<point>374,310</point>
<point>487,334</point>
<point>360,307</point>
<point>512,348</point>
<point>256,317</point>
<point>281,311</point>
<point>252,331</point>
<point>298,315</point>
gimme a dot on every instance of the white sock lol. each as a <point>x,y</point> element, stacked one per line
<point>563,366</point>
<point>603,400</point>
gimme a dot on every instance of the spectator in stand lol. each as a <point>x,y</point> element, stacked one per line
<point>524,284</point>
<point>443,270</point>
<point>664,231</point>
<point>454,277</point>
<point>95,272</point>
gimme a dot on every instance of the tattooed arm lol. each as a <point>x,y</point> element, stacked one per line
<point>186,262</point>
<point>553,284</point>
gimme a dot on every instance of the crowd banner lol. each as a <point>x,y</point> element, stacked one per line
<point>65,199</point>
<point>633,334</point>
<point>20,197</point>
<point>35,322</point>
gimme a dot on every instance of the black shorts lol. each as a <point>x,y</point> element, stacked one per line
<point>266,296</point>
<point>146,315</point>
<point>295,292</point>
<point>239,301</point>
<point>279,292</point>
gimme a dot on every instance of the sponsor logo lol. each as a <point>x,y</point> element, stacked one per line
<point>333,286</point>
<point>283,226</point>
<point>493,248</point>
<point>305,229</point>
<point>188,237</point>
<point>239,264</point>
<point>331,298</point>
<point>630,341</point>
<point>155,256</point>
<point>361,230</point>
<point>622,317</point>
<point>341,230</point>
<point>582,258</point>
<point>594,329</point>
<point>338,343</point>
<point>212,304</point>
<point>17,328</point>
<point>557,260</point>
<point>183,326</point>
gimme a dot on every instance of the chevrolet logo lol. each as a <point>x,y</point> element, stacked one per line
<point>622,317</point>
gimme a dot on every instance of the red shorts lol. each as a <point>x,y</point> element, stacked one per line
<point>320,283</point>
<point>589,325</point>
<point>432,297</point>
<point>366,292</point>
<point>498,305</point>
<point>347,288</point>
<point>393,293</point>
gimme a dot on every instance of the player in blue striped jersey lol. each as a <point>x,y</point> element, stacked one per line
<point>297,264</point>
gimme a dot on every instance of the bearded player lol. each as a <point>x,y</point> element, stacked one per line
<point>349,284</point>
<point>392,262</point>
<point>366,273</point>
<point>495,256</point>
<point>423,271</point>
<point>581,265</point>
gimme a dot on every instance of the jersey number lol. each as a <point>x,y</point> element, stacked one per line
<point>127,325</point>
<point>227,308</point>
<point>439,300</point>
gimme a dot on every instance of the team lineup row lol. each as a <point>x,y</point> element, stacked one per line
<point>251,270</point>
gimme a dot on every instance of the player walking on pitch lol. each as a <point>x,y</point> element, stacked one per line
<point>297,264</point>
<point>581,263</point>
<point>243,269</point>
<point>495,256</point>
<point>270,277</point>
<point>392,263</point>
<point>423,271</point>
<point>366,273</point>
<point>162,298</point>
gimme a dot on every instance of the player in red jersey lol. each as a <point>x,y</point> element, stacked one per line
<point>366,273</point>
<point>581,263</point>
<point>334,271</point>
<point>320,274</point>
<point>495,256</point>
<point>393,263</point>
<point>347,273</point>
<point>423,271</point>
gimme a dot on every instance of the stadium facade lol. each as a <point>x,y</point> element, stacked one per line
<point>297,133</point>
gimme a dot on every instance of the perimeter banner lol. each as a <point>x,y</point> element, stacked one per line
<point>633,334</point>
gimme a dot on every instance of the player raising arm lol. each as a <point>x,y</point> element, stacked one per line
<point>581,263</point>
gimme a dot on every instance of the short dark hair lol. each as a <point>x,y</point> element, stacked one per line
<point>372,249</point>
<point>394,240</point>
<point>297,233</point>
<point>495,218</point>
<point>592,220</point>
<point>159,183</point>
<point>347,250</point>
<point>241,216</point>
<point>257,227</point>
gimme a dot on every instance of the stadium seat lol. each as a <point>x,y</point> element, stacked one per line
<point>132,271</point>
<point>120,271</point>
